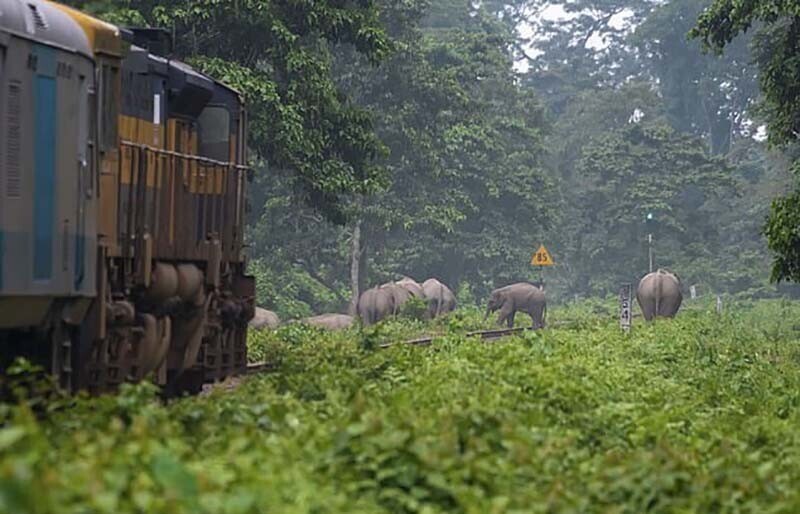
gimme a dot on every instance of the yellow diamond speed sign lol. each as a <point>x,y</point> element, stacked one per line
<point>542,257</point>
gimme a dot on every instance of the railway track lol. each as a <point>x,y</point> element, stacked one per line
<point>485,335</point>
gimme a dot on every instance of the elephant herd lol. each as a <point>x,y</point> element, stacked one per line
<point>375,305</point>
<point>388,299</point>
<point>658,294</point>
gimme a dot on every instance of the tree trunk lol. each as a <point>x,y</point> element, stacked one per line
<point>356,266</point>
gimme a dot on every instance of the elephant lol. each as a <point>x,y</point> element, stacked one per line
<point>264,319</point>
<point>523,297</point>
<point>441,299</point>
<point>400,295</point>
<point>412,286</point>
<point>659,295</point>
<point>330,321</point>
<point>376,304</point>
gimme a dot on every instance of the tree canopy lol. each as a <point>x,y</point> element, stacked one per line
<point>776,48</point>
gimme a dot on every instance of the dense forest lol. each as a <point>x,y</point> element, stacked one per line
<point>450,138</point>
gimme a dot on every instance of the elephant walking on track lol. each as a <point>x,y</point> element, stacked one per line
<point>659,295</point>
<point>523,297</point>
<point>440,298</point>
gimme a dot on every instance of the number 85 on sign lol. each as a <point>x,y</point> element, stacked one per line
<point>542,257</point>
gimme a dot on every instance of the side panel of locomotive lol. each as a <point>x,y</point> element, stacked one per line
<point>47,191</point>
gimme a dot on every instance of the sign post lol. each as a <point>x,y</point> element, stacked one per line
<point>625,314</point>
<point>542,259</point>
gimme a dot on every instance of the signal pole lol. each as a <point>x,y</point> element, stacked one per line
<point>650,250</point>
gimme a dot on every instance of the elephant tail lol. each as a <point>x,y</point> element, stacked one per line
<point>659,287</point>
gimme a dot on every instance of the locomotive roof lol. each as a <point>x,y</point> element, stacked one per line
<point>104,38</point>
<point>45,22</point>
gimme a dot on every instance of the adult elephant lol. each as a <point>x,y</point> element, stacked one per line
<point>440,298</point>
<point>523,297</point>
<point>376,304</point>
<point>400,295</point>
<point>659,295</point>
<point>264,319</point>
<point>413,287</point>
<point>330,321</point>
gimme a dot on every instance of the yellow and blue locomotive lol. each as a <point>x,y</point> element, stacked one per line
<point>122,195</point>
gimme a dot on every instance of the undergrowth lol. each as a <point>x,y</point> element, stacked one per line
<point>697,414</point>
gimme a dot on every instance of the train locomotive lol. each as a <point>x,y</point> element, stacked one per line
<point>122,197</point>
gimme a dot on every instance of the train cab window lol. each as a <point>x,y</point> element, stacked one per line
<point>109,107</point>
<point>214,133</point>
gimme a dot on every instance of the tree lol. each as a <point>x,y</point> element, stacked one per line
<point>647,167</point>
<point>777,46</point>
<point>586,48</point>
<point>706,95</point>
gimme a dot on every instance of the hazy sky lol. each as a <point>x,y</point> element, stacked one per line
<point>557,12</point>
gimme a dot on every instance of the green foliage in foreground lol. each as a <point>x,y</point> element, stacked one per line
<point>695,415</point>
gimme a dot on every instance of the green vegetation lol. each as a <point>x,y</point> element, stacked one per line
<point>775,50</point>
<point>698,414</point>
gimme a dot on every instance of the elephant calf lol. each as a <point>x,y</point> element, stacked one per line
<point>659,295</point>
<point>440,298</point>
<point>523,297</point>
<point>330,321</point>
<point>264,319</point>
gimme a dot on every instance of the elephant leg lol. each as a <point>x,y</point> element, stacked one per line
<point>511,319</point>
<point>505,315</point>
<point>537,318</point>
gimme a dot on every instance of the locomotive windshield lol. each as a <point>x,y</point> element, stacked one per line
<point>214,133</point>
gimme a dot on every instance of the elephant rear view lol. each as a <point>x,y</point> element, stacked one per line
<point>659,295</point>
<point>440,298</point>
<point>375,304</point>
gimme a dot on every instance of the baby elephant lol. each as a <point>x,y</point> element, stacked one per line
<point>330,321</point>
<point>523,297</point>
<point>659,295</point>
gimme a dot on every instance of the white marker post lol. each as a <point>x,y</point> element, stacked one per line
<point>719,305</point>
<point>693,292</point>
<point>625,317</point>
